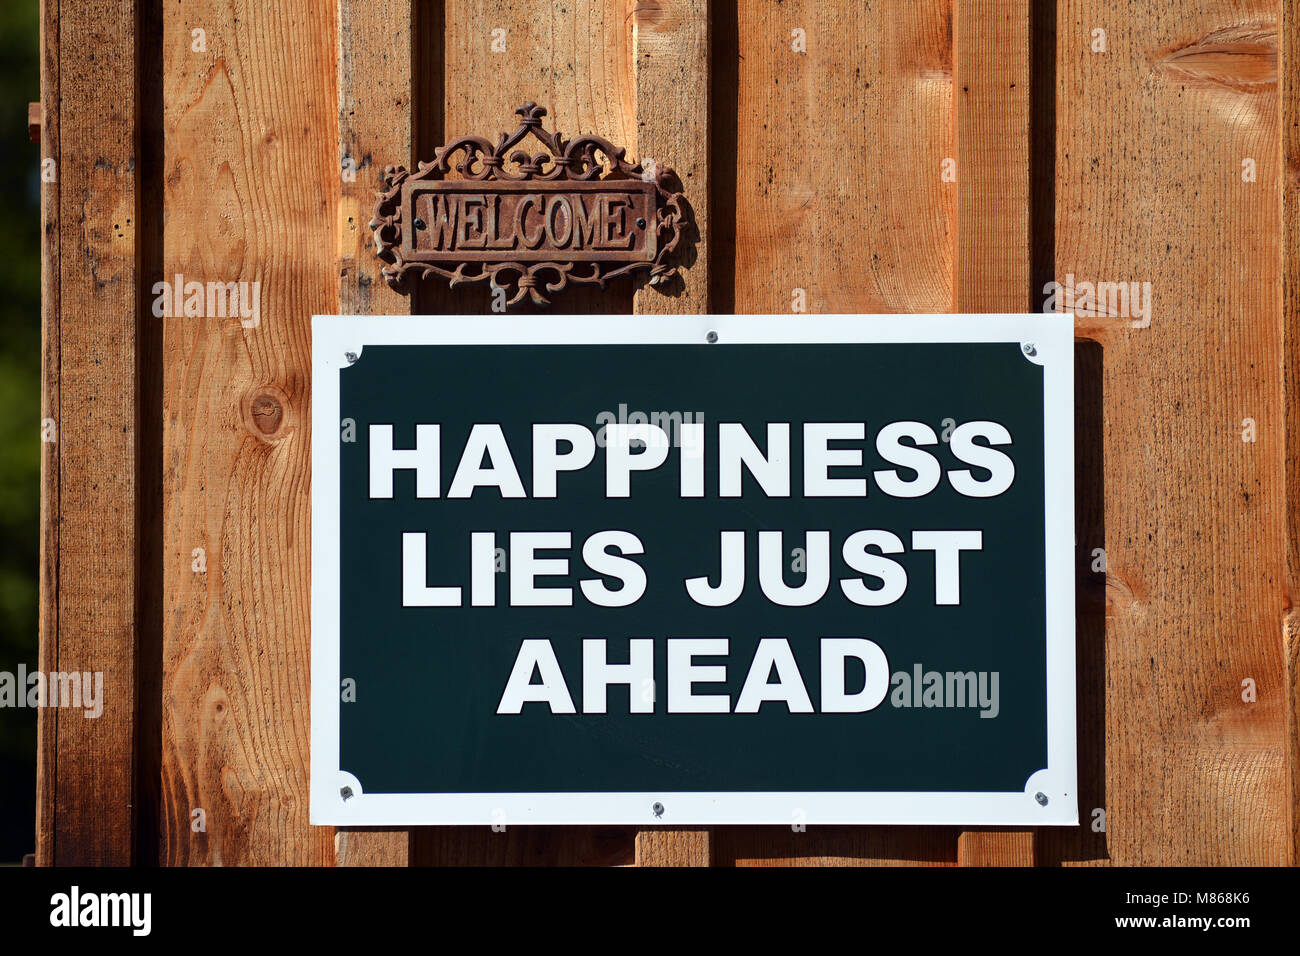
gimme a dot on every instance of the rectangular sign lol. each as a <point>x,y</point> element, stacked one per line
<point>693,570</point>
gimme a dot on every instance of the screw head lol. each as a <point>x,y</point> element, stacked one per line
<point>345,793</point>
<point>1030,349</point>
<point>350,357</point>
<point>1041,798</point>
<point>657,809</point>
<point>640,222</point>
<point>712,337</point>
<point>419,223</point>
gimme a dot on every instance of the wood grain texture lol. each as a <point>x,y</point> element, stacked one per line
<point>671,43</point>
<point>1289,100</point>
<point>675,847</point>
<point>89,574</point>
<point>839,157</point>
<point>1150,188</point>
<point>251,172</point>
<point>376,70</point>
<point>991,58</point>
<point>371,846</point>
<point>996,848</point>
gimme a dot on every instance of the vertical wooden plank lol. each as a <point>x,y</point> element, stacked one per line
<point>428,103</point>
<point>1152,186</point>
<point>251,172</point>
<point>89,576</point>
<point>991,114</point>
<point>671,46</point>
<point>991,58</point>
<point>840,204</point>
<point>376,71</point>
<point>1289,100</point>
<point>671,42</point>
<point>573,57</point>
<point>46,723</point>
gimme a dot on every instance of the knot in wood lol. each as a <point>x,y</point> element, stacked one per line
<point>267,414</point>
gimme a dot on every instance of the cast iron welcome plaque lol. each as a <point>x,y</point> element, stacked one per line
<point>693,570</point>
<point>528,223</point>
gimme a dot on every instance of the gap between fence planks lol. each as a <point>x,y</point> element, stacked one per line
<point>991,56</point>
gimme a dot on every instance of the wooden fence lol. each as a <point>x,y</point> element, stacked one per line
<point>879,155</point>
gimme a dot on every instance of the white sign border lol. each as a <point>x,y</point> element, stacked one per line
<point>1050,795</point>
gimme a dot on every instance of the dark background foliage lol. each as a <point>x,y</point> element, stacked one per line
<point>20,413</point>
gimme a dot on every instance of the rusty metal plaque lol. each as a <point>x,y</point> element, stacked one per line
<point>529,223</point>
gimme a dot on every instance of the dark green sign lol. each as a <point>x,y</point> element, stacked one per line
<point>654,577</point>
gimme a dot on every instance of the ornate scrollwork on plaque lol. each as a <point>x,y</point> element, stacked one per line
<point>529,223</point>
